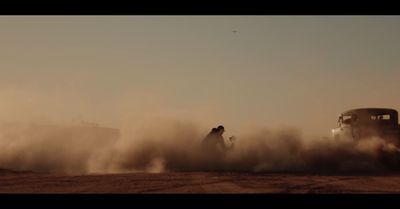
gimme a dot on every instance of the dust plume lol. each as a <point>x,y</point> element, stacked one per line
<point>36,135</point>
<point>261,150</point>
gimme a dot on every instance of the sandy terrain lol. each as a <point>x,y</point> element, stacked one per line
<point>196,182</point>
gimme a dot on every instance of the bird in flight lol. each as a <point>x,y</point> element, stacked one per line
<point>234,31</point>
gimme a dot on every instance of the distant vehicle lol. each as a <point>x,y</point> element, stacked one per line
<point>368,122</point>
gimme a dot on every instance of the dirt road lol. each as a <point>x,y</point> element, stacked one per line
<point>195,182</point>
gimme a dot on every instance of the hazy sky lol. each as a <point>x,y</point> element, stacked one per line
<point>299,71</point>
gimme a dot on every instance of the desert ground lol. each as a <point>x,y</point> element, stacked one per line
<point>195,182</point>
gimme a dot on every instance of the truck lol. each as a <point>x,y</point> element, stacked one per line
<point>362,123</point>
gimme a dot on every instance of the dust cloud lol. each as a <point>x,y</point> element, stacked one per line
<point>262,150</point>
<point>33,139</point>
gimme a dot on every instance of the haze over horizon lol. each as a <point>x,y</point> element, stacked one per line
<point>297,71</point>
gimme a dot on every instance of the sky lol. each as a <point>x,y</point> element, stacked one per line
<point>296,71</point>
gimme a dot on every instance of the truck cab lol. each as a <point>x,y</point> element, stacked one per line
<point>368,122</point>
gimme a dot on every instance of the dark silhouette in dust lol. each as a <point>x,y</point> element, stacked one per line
<point>209,141</point>
<point>214,142</point>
